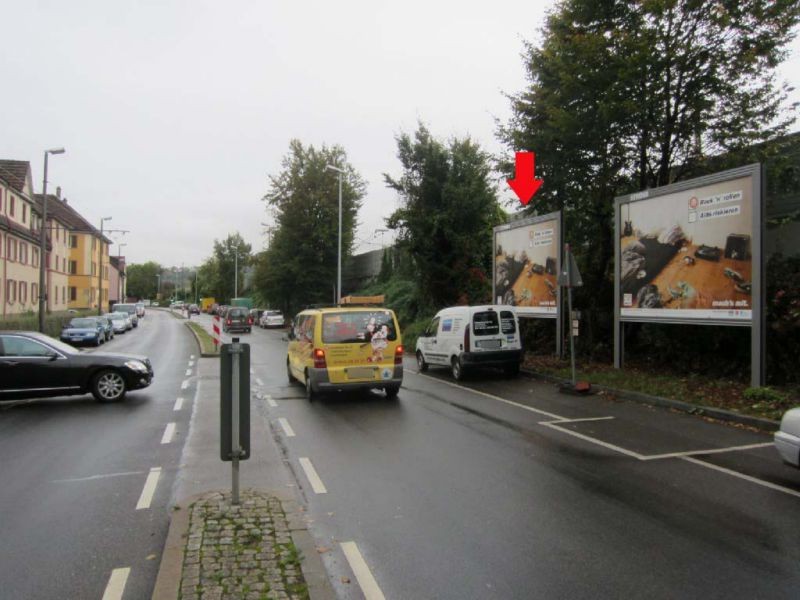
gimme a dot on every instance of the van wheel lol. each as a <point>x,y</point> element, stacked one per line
<point>421,364</point>
<point>311,395</point>
<point>512,370</point>
<point>392,391</point>
<point>457,369</point>
<point>289,372</point>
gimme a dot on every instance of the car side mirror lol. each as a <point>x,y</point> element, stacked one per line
<point>52,356</point>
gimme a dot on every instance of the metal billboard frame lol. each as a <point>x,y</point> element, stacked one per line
<point>757,322</point>
<point>558,217</point>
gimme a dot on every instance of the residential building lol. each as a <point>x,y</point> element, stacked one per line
<point>57,278</point>
<point>117,279</point>
<point>19,240</point>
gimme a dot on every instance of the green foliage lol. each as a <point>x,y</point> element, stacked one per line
<point>53,322</point>
<point>449,208</point>
<point>764,394</point>
<point>300,266</point>
<point>783,317</point>
<point>142,279</point>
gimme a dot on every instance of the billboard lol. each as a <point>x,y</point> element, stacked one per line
<point>686,252</point>
<point>526,265</point>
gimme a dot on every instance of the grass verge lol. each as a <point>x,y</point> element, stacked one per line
<point>205,339</point>
<point>734,396</point>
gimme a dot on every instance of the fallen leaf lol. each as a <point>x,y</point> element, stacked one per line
<point>323,549</point>
<point>151,557</point>
<point>345,579</point>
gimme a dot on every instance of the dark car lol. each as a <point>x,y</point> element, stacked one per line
<point>83,330</point>
<point>237,319</point>
<point>194,309</point>
<point>108,326</point>
<point>127,308</point>
<point>35,365</point>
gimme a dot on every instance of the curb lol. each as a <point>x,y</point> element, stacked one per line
<point>692,409</point>
<point>200,344</point>
<point>170,569</point>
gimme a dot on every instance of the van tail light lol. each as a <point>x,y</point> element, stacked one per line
<point>250,321</point>
<point>398,355</point>
<point>319,358</point>
<point>466,338</point>
<point>229,322</point>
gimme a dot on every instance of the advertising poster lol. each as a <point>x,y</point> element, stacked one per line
<point>688,255</point>
<point>526,263</point>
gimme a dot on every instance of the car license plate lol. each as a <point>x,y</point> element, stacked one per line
<point>361,373</point>
<point>489,344</point>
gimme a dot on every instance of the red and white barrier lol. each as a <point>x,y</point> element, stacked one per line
<point>216,330</point>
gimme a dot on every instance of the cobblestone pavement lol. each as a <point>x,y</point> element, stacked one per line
<point>240,552</point>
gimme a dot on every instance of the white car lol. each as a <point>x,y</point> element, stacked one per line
<point>272,318</point>
<point>120,321</point>
<point>787,438</point>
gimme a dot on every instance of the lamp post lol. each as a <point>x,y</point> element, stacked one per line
<point>100,269</point>
<point>236,274</point>
<point>43,242</point>
<point>122,275</point>
<point>339,255</point>
<point>158,291</point>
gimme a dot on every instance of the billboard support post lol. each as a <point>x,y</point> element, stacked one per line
<point>235,408</point>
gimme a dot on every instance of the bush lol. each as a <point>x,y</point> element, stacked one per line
<point>29,321</point>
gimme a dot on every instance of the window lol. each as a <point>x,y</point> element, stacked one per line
<point>23,292</point>
<point>11,291</point>
<point>73,267</point>
<point>35,256</point>
<point>432,328</point>
<point>11,206</point>
<point>73,241</point>
<point>34,292</point>
<point>357,327</point>
<point>24,213</point>
<point>485,323</point>
<point>11,248</point>
<point>508,324</point>
<point>19,346</point>
<point>23,253</point>
<point>63,294</point>
<point>73,294</point>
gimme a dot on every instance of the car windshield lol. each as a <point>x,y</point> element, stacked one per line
<point>357,326</point>
<point>84,323</point>
<point>273,313</point>
<point>117,316</point>
<point>128,308</point>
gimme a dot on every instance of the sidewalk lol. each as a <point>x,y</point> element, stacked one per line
<point>259,550</point>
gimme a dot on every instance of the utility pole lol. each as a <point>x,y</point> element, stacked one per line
<point>43,242</point>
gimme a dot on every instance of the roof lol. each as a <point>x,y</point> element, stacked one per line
<point>59,209</point>
<point>15,173</point>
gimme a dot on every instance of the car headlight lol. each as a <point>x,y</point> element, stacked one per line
<point>136,365</point>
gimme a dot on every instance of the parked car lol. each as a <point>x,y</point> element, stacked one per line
<point>108,328</point>
<point>464,337</point>
<point>787,438</point>
<point>237,319</point>
<point>155,304</point>
<point>272,318</point>
<point>35,365</point>
<point>140,310</point>
<point>346,348</point>
<point>83,330</point>
<point>194,309</point>
<point>130,309</point>
<point>120,321</point>
<point>255,314</point>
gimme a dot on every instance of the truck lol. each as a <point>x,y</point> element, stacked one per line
<point>205,304</point>
<point>245,302</point>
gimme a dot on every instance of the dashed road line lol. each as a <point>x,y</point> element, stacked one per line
<point>287,429</point>
<point>116,584</point>
<point>259,382</point>
<point>185,384</point>
<point>191,363</point>
<point>272,402</point>
<point>191,356</point>
<point>583,420</point>
<point>369,586</point>
<point>188,372</point>
<point>313,478</point>
<point>178,404</point>
<point>761,482</point>
<point>149,488</point>
<point>169,431</point>
<point>95,477</point>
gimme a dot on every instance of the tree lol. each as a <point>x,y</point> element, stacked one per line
<point>142,279</point>
<point>220,271</point>
<point>445,222</point>
<point>301,263</point>
<point>626,95</point>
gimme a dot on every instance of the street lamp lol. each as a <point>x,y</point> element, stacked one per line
<point>43,242</point>
<point>158,292</point>
<point>339,255</point>
<point>121,275</point>
<point>236,274</point>
<point>100,269</point>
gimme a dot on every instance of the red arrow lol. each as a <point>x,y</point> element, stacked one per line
<point>524,184</point>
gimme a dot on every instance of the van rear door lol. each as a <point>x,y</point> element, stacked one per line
<point>487,335</point>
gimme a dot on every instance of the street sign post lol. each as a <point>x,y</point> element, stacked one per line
<point>235,407</point>
<point>570,277</point>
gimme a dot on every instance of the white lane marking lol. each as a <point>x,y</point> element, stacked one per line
<point>272,402</point>
<point>313,478</point>
<point>287,429</point>
<point>116,584</point>
<point>360,569</point>
<point>191,363</point>
<point>149,488</point>
<point>553,425</point>
<point>499,399</point>
<point>169,431</point>
<point>711,451</point>
<point>185,384</point>
<point>761,482</point>
<point>94,477</point>
<point>252,372</point>
<point>188,372</point>
<point>178,404</point>
<point>191,356</point>
<point>259,382</point>
<point>583,420</point>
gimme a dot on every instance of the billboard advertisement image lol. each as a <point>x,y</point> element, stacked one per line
<point>526,263</point>
<point>687,255</point>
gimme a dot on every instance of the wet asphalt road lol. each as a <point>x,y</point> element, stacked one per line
<point>73,471</point>
<point>506,489</point>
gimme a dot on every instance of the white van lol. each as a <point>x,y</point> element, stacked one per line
<point>461,337</point>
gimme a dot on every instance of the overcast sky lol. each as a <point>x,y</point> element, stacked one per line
<point>174,113</point>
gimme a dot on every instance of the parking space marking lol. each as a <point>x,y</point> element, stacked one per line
<point>178,404</point>
<point>591,440</point>
<point>259,382</point>
<point>287,429</point>
<point>95,477</point>
<point>711,451</point>
<point>185,384</point>
<point>366,581</point>
<point>583,420</point>
<point>311,475</point>
<point>191,356</point>
<point>149,488</point>
<point>272,402</point>
<point>116,584</point>
<point>169,431</point>
<point>761,482</point>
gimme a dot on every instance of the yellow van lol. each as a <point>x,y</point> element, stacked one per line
<point>345,348</point>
